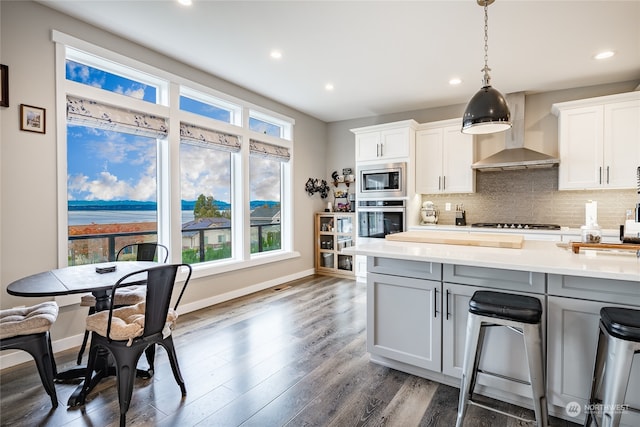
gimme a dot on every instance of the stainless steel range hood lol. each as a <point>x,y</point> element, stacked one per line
<point>515,155</point>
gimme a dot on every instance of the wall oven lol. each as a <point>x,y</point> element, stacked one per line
<point>382,181</point>
<point>377,218</point>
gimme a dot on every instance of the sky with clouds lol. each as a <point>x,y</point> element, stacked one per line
<point>107,165</point>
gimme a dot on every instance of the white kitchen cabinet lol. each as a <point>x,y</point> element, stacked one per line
<point>391,141</point>
<point>598,140</point>
<point>443,159</point>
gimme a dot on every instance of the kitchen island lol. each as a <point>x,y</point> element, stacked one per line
<point>417,305</point>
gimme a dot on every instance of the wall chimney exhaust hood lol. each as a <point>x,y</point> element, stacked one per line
<point>515,156</point>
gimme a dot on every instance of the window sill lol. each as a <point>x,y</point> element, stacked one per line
<point>210,269</point>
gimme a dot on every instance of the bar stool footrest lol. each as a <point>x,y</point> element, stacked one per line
<point>489,408</point>
<point>504,377</point>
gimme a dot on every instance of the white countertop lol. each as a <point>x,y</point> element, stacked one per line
<point>535,255</point>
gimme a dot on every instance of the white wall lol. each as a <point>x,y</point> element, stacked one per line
<point>28,199</point>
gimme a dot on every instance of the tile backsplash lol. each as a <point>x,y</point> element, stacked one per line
<point>532,196</point>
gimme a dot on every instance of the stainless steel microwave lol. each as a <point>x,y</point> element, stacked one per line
<point>382,181</point>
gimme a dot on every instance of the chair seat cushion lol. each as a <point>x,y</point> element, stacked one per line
<point>127,322</point>
<point>128,295</point>
<point>28,320</point>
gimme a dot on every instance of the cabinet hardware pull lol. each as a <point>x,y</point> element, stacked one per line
<point>381,147</point>
<point>439,182</point>
<point>435,303</point>
<point>607,174</point>
<point>600,175</point>
<point>447,302</point>
<point>444,182</point>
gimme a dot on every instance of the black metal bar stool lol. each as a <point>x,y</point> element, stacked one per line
<point>520,314</point>
<point>618,341</point>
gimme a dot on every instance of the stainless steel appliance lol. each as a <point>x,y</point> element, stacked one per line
<point>382,181</point>
<point>515,225</point>
<point>377,218</point>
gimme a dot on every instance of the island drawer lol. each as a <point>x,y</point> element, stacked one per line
<point>405,268</point>
<point>595,289</point>
<point>510,280</point>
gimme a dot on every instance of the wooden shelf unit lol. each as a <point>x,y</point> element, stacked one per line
<point>334,231</point>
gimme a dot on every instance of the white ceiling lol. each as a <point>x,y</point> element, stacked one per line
<point>381,56</point>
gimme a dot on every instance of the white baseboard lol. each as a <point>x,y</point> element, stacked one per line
<point>12,358</point>
<point>203,303</point>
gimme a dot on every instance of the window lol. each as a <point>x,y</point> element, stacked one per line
<point>120,182</point>
<point>269,125</point>
<point>265,204</point>
<point>206,190</point>
<point>207,110</point>
<point>111,192</point>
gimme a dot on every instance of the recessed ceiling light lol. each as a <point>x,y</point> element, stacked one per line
<point>276,54</point>
<point>328,87</point>
<point>455,81</point>
<point>604,54</point>
<point>185,2</point>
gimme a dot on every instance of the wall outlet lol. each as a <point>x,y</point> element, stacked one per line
<point>447,206</point>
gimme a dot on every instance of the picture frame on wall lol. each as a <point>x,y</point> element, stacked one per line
<point>32,119</point>
<point>4,85</point>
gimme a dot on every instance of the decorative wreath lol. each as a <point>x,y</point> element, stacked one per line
<point>313,186</point>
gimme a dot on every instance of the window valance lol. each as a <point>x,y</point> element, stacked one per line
<point>198,135</point>
<point>95,114</point>
<point>274,152</point>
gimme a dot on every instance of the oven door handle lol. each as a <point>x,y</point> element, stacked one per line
<point>369,209</point>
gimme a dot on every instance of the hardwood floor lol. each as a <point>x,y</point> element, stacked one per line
<point>289,356</point>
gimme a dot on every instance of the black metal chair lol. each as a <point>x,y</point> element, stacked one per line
<point>134,294</point>
<point>126,339</point>
<point>27,329</point>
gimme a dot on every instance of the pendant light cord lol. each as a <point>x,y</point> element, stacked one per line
<point>486,69</point>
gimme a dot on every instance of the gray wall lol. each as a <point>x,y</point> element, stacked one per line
<point>522,196</point>
<point>28,196</point>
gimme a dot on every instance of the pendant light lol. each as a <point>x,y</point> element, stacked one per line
<point>487,111</point>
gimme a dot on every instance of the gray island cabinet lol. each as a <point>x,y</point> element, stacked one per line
<point>417,305</point>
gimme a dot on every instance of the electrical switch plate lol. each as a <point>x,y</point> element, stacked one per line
<point>447,206</point>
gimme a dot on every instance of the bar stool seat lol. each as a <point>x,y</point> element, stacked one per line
<point>506,306</point>
<point>521,314</point>
<point>618,342</point>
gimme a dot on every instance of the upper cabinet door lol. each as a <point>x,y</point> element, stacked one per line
<point>388,142</point>
<point>367,146</point>
<point>429,161</point>
<point>394,143</point>
<point>443,159</point>
<point>621,143</point>
<point>580,144</point>
<point>457,160</point>
<point>599,142</point>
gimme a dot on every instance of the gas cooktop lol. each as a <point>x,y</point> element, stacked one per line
<point>516,225</point>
